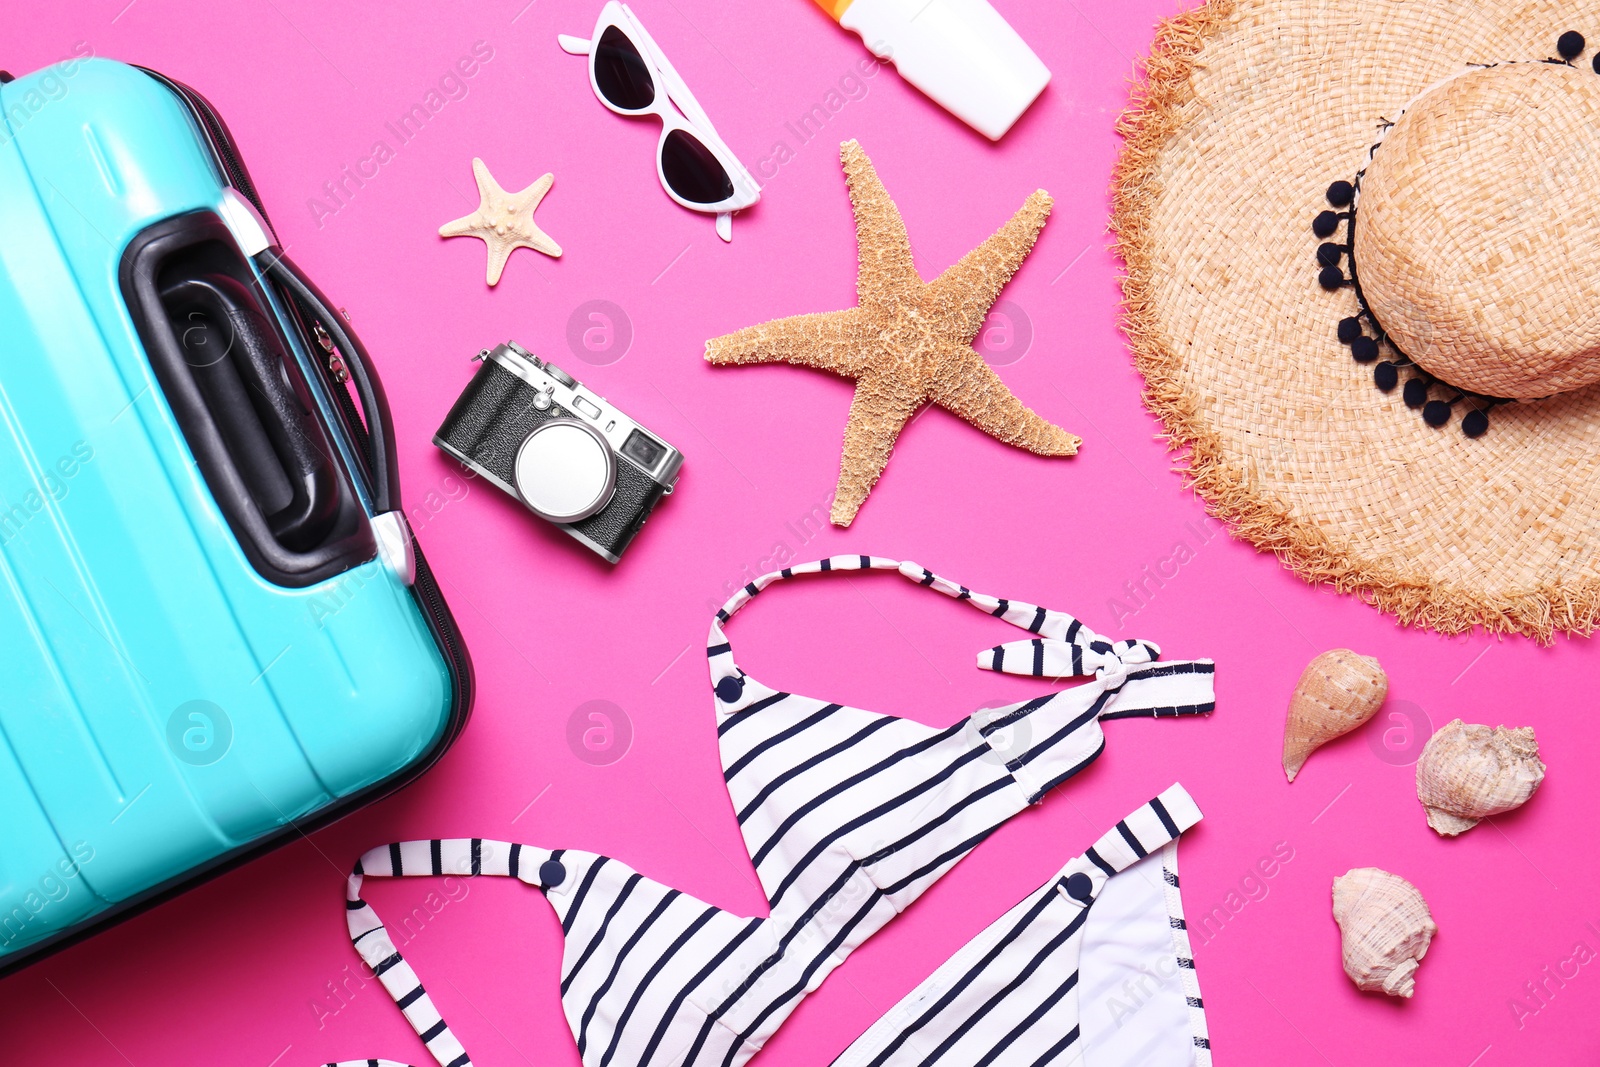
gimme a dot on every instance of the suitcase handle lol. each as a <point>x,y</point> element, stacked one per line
<point>221,352</point>
<point>240,367</point>
<point>381,452</point>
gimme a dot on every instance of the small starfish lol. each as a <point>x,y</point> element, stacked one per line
<point>909,342</point>
<point>504,221</point>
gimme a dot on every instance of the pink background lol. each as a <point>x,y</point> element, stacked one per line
<point>235,972</point>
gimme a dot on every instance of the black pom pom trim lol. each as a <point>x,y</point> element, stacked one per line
<point>1337,268</point>
<point>1570,45</point>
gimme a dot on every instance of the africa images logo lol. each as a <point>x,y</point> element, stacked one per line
<point>599,332</point>
<point>599,732</point>
<point>199,733</point>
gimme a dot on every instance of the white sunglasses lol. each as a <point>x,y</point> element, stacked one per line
<point>631,76</point>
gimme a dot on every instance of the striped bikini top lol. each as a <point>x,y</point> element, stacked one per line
<point>848,816</point>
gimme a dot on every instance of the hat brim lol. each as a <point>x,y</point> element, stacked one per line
<point>1249,109</point>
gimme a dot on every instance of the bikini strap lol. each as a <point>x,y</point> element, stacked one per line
<point>726,677</point>
<point>1145,830</point>
<point>1148,828</point>
<point>466,857</point>
<point>1062,648</point>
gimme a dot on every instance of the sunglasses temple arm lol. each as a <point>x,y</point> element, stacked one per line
<point>574,46</point>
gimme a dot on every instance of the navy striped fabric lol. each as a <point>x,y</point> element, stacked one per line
<point>848,816</point>
<point>1015,993</point>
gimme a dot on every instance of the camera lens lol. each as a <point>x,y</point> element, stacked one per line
<point>565,470</point>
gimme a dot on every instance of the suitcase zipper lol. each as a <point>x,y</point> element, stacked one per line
<point>218,139</point>
<point>331,355</point>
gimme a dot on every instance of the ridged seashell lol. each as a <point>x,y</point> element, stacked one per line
<point>1385,928</point>
<point>1338,691</point>
<point>1470,772</point>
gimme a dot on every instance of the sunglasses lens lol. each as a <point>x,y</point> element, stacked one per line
<point>620,72</point>
<point>692,171</point>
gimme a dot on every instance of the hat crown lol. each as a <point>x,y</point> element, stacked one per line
<point>1477,240</point>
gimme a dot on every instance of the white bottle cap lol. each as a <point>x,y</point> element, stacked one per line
<point>961,53</point>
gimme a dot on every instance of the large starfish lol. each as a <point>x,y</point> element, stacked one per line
<point>908,342</point>
<point>503,221</point>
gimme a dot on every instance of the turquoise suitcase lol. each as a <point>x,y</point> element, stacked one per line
<point>215,628</point>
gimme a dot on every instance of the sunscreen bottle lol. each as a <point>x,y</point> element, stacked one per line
<point>961,53</point>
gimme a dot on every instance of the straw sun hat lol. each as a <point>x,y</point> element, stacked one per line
<point>1362,248</point>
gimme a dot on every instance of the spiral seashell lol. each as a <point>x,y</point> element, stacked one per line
<point>1384,927</point>
<point>1338,691</point>
<point>1470,772</point>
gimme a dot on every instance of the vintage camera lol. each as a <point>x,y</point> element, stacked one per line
<point>572,458</point>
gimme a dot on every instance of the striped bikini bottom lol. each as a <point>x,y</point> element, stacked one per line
<point>848,816</point>
<point>1092,968</point>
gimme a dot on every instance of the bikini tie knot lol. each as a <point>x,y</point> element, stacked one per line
<point>1111,662</point>
<point>1084,654</point>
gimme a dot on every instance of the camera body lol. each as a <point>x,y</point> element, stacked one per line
<point>570,456</point>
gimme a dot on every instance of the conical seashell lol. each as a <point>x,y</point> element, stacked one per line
<point>1470,772</point>
<point>1385,928</point>
<point>1338,691</point>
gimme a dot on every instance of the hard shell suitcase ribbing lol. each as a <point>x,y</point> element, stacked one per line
<point>216,632</point>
